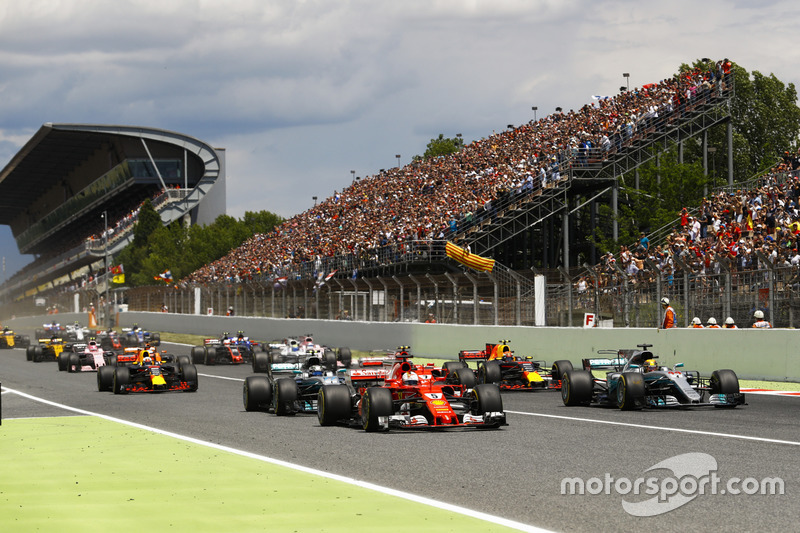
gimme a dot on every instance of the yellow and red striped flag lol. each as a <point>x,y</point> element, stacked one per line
<point>466,258</point>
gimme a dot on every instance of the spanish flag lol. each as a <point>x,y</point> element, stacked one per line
<point>471,260</point>
<point>749,222</point>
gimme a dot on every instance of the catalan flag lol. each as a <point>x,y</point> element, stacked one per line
<point>466,258</point>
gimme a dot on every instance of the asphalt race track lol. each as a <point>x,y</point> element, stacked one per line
<point>515,472</point>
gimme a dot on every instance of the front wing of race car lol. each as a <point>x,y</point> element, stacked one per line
<point>155,378</point>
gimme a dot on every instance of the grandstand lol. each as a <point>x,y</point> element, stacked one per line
<point>376,250</point>
<point>70,193</point>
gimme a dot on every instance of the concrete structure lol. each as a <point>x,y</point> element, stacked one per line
<point>71,181</point>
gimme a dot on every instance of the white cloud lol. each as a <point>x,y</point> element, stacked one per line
<point>301,92</point>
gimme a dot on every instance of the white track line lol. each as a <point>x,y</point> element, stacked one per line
<point>351,481</point>
<point>220,377</point>
<point>676,430</point>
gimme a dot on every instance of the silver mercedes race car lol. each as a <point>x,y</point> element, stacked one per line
<point>634,381</point>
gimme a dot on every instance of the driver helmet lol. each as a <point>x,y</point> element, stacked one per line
<point>316,370</point>
<point>696,321</point>
<point>759,314</point>
<point>146,359</point>
<point>410,378</point>
<point>650,365</point>
<point>712,321</point>
<point>665,301</point>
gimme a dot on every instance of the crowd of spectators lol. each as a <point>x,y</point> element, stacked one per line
<point>729,227</point>
<point>435,198</point>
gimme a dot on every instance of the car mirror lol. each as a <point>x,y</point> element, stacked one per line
<point>677,365</point>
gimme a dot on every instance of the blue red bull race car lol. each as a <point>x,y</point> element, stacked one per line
<point>498,364</point>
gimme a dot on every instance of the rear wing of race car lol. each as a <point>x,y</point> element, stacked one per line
<point>368,376</point>
<point>481,355</point>
<point>211,342</point>
<point>49,340</point>
<point>618,358</point>
<point>473,355</point>
<point>604,363</point>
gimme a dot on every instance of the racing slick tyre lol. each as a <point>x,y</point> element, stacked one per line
<point>329,359</point>
<point>450,366</point>
<point>63,361</point>
<point>376,403</point>
<point>122,377</point>
<point>105,378</point>
<point>723,382</point>
<point>198,355</point>
<point>29,353</point>
<point>155,339</point>
<point>487,399</point>
<point>181,361</point>
<point>489,372</point>
<point>560,368</point>
<point>111,360</point>
<point>333,404</point>
<point>345,356</point>
<point>38,354</point>
<point>261,363</point>
<point>73,362</point>
<point>576,387</point>
<point>630,391</point>
<point>211,357</point>
<point>465,376</point>
<point>189,375</point>
<point>285,396</point>
<point>257,393</point>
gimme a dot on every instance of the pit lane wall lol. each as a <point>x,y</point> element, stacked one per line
<point>751,353</point>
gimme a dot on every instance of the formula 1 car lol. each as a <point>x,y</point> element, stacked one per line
<point>9,340</point>
<point>136,336</point>
<point>498,364</point>
<point>290,388</point>
<point>109,341</point>
<point>75,333</point>
<point>634,381</point>
<point>51,329</point>
<point>228,350</point>
<point>87,357</point>
<point>293,346</point>
<point>151,372</point>
<point>48,350</point>
<point>295,350</point>
<point>412,396</point>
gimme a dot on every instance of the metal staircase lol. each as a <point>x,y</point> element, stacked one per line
<point>597,168</point>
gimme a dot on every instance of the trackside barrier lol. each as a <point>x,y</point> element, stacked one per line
<point>751,353</point>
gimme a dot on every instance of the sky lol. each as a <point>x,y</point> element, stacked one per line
<point>301,93</point>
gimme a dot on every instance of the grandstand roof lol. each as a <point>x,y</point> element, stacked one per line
<point>59,188</point>
<point>40,163</point>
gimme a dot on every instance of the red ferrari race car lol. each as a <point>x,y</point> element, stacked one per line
<point>498,364</point>
<point>412,396</point>
<point>150,372</point>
